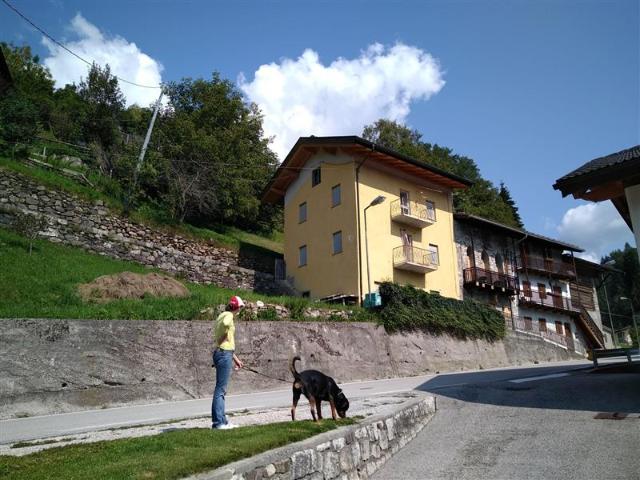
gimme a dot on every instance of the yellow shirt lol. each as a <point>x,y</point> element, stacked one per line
<point>224,325</point>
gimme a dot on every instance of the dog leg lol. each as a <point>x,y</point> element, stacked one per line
<point>312,405</point>
<point>319,409</point>
<point>296,397</point>
<point>333,408</point>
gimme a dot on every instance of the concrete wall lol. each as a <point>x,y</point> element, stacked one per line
<point>49,366</point>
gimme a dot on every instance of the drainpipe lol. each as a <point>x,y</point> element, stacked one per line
<point>358,224</point>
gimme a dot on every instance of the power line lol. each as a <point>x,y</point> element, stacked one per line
<point>67,49</point>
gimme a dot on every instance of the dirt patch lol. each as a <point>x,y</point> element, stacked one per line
<point>131,285</point>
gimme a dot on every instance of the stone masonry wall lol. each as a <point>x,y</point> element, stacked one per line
<point>350,453</point>
<point>94,227</point>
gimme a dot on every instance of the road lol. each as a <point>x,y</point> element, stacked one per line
<point>542,423</point>
<point>24,429</point>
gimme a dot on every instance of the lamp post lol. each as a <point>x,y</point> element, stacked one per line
<point>376,201</point>
<point>633,317</point>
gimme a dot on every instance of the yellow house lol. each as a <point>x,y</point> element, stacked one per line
<point>356,214</point>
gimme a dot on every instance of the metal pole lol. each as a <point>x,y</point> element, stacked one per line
<point>613,332</point>
<point>143,151</point>
<point>366,247</point>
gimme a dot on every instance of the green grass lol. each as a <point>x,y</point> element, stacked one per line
<point>169,455</point>
<point>44,285</point>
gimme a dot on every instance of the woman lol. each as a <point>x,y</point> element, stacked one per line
<point>223,359</point>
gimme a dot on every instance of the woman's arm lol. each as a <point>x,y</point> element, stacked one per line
<point>237,361</point>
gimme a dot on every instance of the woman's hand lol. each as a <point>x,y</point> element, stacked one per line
<point>238,362</point>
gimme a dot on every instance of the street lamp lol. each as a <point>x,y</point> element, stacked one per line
<point>376,201</point>
<point>633,317</point>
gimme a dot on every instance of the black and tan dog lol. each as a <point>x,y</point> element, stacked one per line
<point>317,386</point>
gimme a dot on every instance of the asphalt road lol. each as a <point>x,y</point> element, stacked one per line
<point>31,428</point>
<point>536,424</point>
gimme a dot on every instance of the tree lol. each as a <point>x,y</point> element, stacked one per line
<point>505,195</point>
<point>104,103</point>
<point>482,198</point>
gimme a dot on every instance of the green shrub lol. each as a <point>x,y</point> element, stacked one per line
<point>408,308</point>
<point>268,313</point>
<point>296,307</point>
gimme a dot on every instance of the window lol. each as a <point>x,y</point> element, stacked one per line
<point>302,256</point>
<point>567,330</point>
<point>433,253</point>
<point>542,324</point>
<point>431,210</point>
<point>527,323</point>
<point>542,291</point>
<point>526,289</point>
<point>336,196</point>
<point>337,242</point>
<point>302,212</point>
<point>500,263</point>
<point>404,203</point>
<point>558,327</point>
<point>316,177</point>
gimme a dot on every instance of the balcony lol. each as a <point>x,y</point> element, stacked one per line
<point>548,301</point>
<point>412,213</point>
<point>414,259</point>
<point>527,326</point>
<point>480,277</point>
<point>557,268</point>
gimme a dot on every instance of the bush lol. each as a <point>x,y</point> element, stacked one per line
<point>408,308</point>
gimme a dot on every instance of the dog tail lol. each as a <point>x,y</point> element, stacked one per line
<point>292,367</point>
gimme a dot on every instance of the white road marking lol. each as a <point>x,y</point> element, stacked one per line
<point>541,377</point>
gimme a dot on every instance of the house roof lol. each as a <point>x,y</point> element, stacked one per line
<point>515,231</point>
<point>5,75</point>
<point>305,147</point>
<point>605,178</point>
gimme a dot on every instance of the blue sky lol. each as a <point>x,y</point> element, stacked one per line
<point>532,89</point>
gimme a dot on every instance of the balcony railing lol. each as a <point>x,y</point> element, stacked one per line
<point>412,213</point>
<point>519,324</point>
<point>475,275</point>
<point>548,300</point>
<point>415,259</point>
<point>548,265</point>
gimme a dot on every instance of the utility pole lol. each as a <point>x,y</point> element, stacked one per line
<point>136,172</point>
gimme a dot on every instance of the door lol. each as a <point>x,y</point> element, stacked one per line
<point>569,335</point>
<point>404,203</point>
<point>557,296</point>
<point>407,243</point>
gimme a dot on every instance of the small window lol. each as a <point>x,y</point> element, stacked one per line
<point>433,253</point>
<point>567,330</point>
<point>542,291</point>
<point>316,177</point>
<point>337,242</point>
<point>431,210</point>
<point>558,327</point>
<point>542,324</point>
<point>302,256</point>
<point>302,212</point>
<point>527,323</point>
<point>526,288</point>
<point>336,196</point>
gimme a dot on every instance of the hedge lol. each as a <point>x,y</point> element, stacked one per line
<point>405,308</point>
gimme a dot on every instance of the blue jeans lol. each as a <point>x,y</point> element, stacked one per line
<point>223,361</point>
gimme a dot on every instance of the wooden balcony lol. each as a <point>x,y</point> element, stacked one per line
<point>479,277</point>
<point>414,259</point>
<point>550,301</point>
<point>549,266</point>
<point>412,213</point>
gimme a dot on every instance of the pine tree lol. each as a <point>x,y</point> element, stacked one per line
<point>505,194</point>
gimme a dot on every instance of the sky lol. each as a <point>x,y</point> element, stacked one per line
<point>529,89</point>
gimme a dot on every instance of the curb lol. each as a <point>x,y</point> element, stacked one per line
<point>350,452</point>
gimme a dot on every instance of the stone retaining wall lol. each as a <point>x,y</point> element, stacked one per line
<point>54,366</point>
<point>352,452</point>
<point>93,227</point>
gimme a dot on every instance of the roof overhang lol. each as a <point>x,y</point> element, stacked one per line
<point>359,148</point>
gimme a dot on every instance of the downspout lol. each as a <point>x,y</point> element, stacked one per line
<point>358,225</point>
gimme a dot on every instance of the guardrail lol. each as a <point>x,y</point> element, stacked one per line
<point>552,300</point>
<point>548,265</point>
<point>519,324</point>
<point>490,277</point>
<point>412,209</point>
<point>407,254</point>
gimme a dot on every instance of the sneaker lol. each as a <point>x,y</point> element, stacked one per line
<point>226,426</point>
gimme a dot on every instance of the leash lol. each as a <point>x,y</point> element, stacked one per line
<point>265,375</point>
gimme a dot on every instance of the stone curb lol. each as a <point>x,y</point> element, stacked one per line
<point>350,452</point>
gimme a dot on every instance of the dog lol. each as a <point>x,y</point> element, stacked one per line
<point>317,386</point>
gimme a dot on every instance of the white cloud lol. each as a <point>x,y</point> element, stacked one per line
<point>596,227</point>
<point>125,59</point>
<point>303,97</point>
